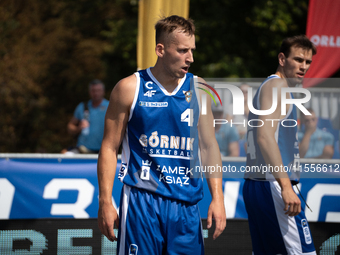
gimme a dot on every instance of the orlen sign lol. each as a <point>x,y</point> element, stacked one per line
<point>326,40</point>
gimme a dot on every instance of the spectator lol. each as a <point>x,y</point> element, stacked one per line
<point>242,129</point>
<point>227,136</point>
<point>88,120</point>
<point>314,142</point>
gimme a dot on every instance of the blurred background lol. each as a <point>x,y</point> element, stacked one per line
<point>51,50</point>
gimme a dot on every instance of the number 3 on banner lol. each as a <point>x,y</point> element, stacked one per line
<point>85,194</point>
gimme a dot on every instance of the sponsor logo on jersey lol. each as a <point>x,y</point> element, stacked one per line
<point>150,93</point>
<point>122,171</point>
<point>179,175</point>
<point>153,104</point>
<point>306,232</point>
<point>168,146</point>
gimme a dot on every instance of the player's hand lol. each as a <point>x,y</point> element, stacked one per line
<point>107,217</point>
<point>291,201</point>
<point>84,124</point>
<point>217,212</point>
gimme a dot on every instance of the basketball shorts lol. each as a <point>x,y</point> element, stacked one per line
<point>153,224</point>
<point>272,231</point>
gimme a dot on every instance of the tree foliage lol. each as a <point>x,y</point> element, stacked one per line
<point>50,50</point>
<point>241,38</point>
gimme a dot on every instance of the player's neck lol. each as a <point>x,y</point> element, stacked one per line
<point>168,82</point>
<point>280,74</point>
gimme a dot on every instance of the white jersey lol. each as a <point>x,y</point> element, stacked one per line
<point>286,138</point>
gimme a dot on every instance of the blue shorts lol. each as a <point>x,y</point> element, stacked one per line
<point>272,231</point>
<point>153,224</point>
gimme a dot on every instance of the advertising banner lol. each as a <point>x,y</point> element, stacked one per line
<point>40,188</point>
<point>324,31</point>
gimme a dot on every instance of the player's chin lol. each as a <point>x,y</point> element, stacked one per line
<point>181,75</point>
<point>295,81</point>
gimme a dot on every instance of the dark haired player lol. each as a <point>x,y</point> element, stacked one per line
<point>277,223</point>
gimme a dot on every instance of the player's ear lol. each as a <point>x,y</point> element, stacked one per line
<point>160,50</point>
<point>282,59</point>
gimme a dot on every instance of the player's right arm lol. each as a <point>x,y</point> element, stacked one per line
<point>270,149</point>
<point>116,119</point>
<point>73,127</point>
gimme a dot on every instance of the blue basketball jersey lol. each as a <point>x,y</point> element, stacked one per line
<point>286,138</point>
<point>160,147</point>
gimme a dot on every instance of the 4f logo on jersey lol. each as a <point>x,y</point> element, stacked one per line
<point>149,93</point>
<point>188,95</point>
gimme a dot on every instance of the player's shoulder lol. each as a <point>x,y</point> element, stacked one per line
<point>325,134</point>
<point>80,107</point>
<point>125,89</point>
<point>274,81</point>
<point>126,84</point>
<point>201,83</point>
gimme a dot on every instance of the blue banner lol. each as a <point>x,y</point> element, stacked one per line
<point>35,188</point>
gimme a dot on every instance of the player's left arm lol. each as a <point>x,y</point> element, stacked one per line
<point>211,156</point>
<point>270,149</point>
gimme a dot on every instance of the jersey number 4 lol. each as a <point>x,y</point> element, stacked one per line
<point>251,149</point>
<point>187,116</point>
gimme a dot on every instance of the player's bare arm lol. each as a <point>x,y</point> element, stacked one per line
<point>304,144</point>
<point>73,126</point>
<point>211,156</point>
<point>310,128</point>
<point>116,119</point>
<point>327,152</point>
<point>269,146</point>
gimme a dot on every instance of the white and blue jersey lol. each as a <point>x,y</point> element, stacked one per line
<point>160,147</point>
<point>158,208</point>
<point>286,138</point>
<point>272,231</point>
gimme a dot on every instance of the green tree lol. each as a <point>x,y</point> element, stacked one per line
<point>241,38</point>
<point>49,52</point>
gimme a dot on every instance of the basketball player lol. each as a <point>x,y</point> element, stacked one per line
<point>277,223</point>
<point>155,114</point>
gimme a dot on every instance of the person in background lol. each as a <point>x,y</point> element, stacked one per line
<point>88,120</point>
<point>226,135</point>
<point>314,142</point>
